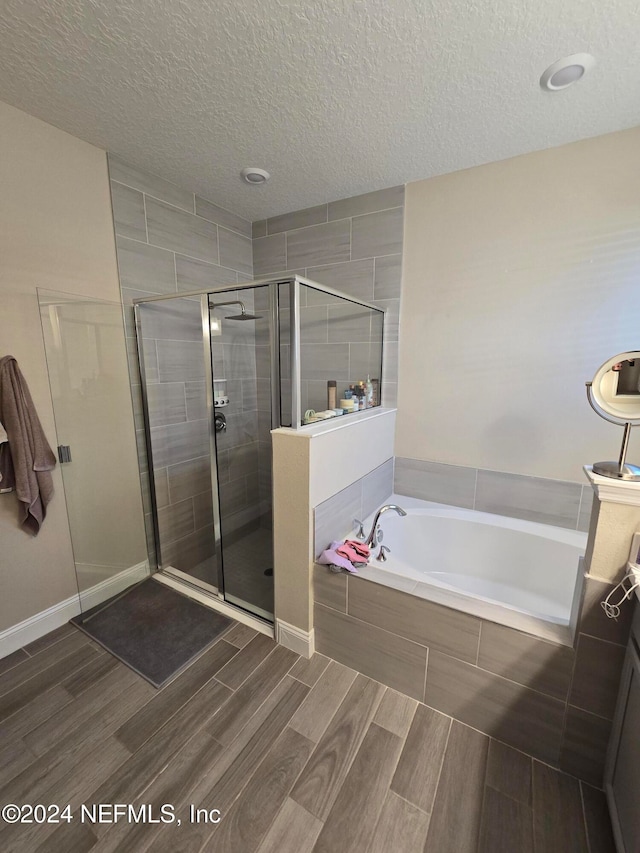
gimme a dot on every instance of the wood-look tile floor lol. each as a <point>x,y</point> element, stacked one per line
<point>297,756</point>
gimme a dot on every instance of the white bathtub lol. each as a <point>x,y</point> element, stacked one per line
<point>520,573</point>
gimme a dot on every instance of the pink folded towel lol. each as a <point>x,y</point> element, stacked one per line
<point>354,555</point>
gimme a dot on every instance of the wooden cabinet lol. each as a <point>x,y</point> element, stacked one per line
<point>622,774</point>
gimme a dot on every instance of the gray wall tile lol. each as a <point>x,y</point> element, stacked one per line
<point>150,353</point>
<point>349,323</point>
<point>435,481</point>
<point>269,255</point>
<point>586,505</point>
<point>532,498</point>
<point>128,212</point>
<point>377,234</point>
<point>182,232</point>
<point>423,622</point>
<point>243,460</point>
<point>596,676</point>
<point>319,244</point>
<point>196,400</point>
<point>313,325</point>
<point>203,510</point>
<point>149,184</point>
<point>367,203</point>
<point>387,277</point>
<point>180,361</point>
<point>542,666</point>
<point>352,277</point>
<point>297,219</point>
<point>324,361</point>
<point>172,320</point>
<point>520,717</point>
<point>390,362</point>
<point>259,228</point>
<point>179,442</point>
<point>334,517</point>
<point>233,497</point>
<point>390,659</point>
<point>390,394</point>
<point>145,268</point>
<point>391,318</point>
<point>594,621</point>
<point>176,521</point>
<point>214,213</point>
<point>189,478</point>
<point>185,554</point>
<point>161,483</point>
<point>329,588</point>
<point>235,251</point>
<point>167,404</point>
<point>193,274</point>
<point>376,487</point>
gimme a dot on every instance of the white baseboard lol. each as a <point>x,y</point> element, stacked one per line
<point>42,623</point>
<point>293,638</point>
<point>112,586</point>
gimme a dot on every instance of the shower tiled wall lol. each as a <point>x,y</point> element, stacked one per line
<point>172,241</point>
<point>353,245</point>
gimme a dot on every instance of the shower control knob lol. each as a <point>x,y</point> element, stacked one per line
<point>220,422</point>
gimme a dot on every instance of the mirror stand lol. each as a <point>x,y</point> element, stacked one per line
<point>620,470</point>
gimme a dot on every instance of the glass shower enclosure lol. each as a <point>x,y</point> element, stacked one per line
<point>219,370</point>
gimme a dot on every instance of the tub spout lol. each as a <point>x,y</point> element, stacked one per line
<point>372,538</point>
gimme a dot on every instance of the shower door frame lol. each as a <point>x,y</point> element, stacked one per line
<point>294,282</point>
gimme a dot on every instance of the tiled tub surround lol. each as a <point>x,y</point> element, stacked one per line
<point>333,518</point>
<point>546,699</point>
<point>169,241</point>
<point>556,502</point>
<point>514,572</point>
<point>355,246</point>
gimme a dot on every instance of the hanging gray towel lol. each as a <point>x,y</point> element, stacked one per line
<point>31,457</point>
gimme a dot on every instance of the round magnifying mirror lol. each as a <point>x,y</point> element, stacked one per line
<point>614,394</point>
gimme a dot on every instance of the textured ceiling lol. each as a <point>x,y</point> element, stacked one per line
<point>333,97</point>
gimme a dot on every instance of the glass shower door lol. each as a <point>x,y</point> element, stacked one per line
<point>174,356</point>
<point>241,349</point>
<point>87,365</point>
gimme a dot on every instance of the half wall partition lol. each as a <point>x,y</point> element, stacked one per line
<point>219,369</point>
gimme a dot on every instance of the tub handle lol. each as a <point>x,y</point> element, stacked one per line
<point>360,534</point>
<point>382,553</point>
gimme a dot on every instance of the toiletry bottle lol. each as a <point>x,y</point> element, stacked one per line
<point>376,391</point>
<point>369,391</point>
<point>332,394</point>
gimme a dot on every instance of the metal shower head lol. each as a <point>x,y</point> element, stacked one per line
<point>242,316</point>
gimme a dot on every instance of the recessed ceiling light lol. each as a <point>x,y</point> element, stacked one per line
<point>565,72</point>
<point>253,175</point>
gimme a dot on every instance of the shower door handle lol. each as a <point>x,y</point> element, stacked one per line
<point>64,453</point>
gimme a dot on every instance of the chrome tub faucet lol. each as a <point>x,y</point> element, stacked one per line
<point>372,539</point>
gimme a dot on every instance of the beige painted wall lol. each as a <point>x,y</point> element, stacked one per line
<point>56,232</point>
<point>520,278</point>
